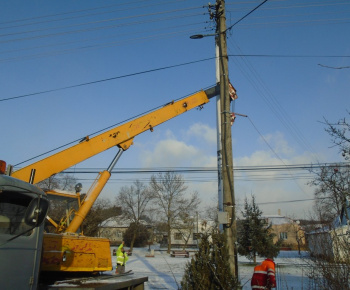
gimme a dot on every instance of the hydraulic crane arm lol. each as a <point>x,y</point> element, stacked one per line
<point>121,136</point>
<point>92,195</point>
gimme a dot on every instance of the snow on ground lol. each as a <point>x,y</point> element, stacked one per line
<point>165,272</point>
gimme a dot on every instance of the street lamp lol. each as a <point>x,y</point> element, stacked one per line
<point>218,121</point>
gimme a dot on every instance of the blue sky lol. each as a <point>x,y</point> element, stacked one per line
<point>277,63</point>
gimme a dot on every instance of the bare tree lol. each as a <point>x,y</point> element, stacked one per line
<point>185,225</point>
<point>329,245</point>
<point>67,182</point>
<point>299,235</point>
<point>295,232</point>
<point>134,201</point>
<point>332,189</point>
<point>59,181</point>
<point>50,183</point>
<point>340,134</point>
<point>59,208</point>
<point>332,182</point>
<point>101,210</point>
<point>170,195</point>
<point>329,265</point>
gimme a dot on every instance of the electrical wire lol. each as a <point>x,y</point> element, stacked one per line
<point>107,79</point>
<point>81,16</point>
<point>237,168</point>
<point>178,15</point>
<point>93,28</point>
<point>122,42</point>
<point>91,46</point>
<point>294,5</point>
<point>266,94</point>
<point>250,12</point>
<point>97,46</point>
<point>309,20</point>
<point>92,134</point>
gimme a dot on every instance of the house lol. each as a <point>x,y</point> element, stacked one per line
<point>114,228</point>
<point>287,229</point>
<point>331,241</point>
<point>182,234</point>
<point>188,234</point>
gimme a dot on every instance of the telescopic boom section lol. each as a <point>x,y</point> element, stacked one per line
<point>121,136</point>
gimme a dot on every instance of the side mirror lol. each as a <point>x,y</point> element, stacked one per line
<point>36,212</point>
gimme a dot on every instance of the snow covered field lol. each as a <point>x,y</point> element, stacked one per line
<point>165,272</point>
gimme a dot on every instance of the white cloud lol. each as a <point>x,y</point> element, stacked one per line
<point>170,153</point>
<point>278,143</point>
<point>274,186</point>
<point>203,131</point>
<point>267,186</point>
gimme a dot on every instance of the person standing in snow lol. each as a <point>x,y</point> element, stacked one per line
<point>122,258</point>
<point>264,275</point>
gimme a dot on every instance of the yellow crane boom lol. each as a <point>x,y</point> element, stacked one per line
<point>69,252</point>
<point>121,136</point>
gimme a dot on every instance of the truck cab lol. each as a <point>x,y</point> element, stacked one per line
<point>23,208</point>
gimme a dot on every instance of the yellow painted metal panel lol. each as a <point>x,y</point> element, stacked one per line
<point>75,254</point>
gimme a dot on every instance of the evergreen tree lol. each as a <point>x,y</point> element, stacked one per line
<point>255,236</point>
<point>209,268</point>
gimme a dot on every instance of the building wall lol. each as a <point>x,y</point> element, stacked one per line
<point>290,233</point>
<point>115,235</point>
<point>199,227</point>
<point>287,229</point>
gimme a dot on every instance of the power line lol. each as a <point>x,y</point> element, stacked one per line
<point>308,20</point>
<point>291,55</point>
<point>105,20</point>
<point>85,10</point>
<point>271,101</point>
<point>105,80</point>
<point>264,168</point>
<point>250,12</point>
<point>289,201</point>
<point>177,14</point>
<point>94,46</point>
<point>93,28</point>
<point>297,5</point>
<point>169,67</point>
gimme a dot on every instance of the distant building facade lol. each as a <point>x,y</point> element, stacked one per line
<point>332,241</point>
<point>114,228</point>
<point>287,229</point>
<point>188,235</point>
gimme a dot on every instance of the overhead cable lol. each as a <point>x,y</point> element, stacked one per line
<point>107,79</point>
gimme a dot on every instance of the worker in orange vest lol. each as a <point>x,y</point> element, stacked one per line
<point>264,275</point>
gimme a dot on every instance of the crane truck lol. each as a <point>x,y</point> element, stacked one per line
<point>69,251</point>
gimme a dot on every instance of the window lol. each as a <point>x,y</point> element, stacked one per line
<point>178,236</point>
<point>12,214</point>
<point>283,236</point>
<point>196,236</point>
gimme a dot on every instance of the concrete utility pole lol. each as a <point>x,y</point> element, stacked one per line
<point>226,139</point>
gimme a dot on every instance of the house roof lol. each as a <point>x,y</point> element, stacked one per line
<point>119,222</point>
<point>277,219</point>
